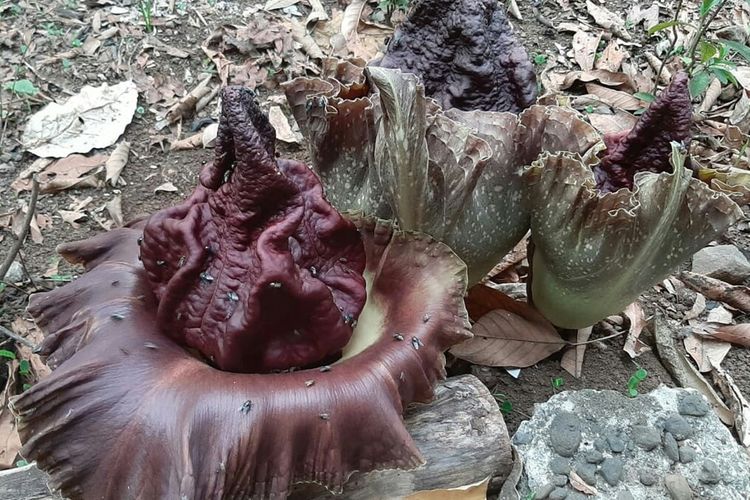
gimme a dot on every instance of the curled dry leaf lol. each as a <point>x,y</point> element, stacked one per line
<point>166,187</point>
<point>620,121</point>
<point>10,442</point>
<point>683,371</point>
<point>93,118</point>
<point>192,142</point>
<point>612,57</point>
<point>114,209</point>
<point>614,98</point>
<point>737,402</point>
<point>350,21</point>
<point>580,485</point>
<point>74,171</point>
<point>607,20</point>
<point>280,123</point>
<point>734,295</point>
<point>605,77</point>
<point>633,345</point>
<point>511,334</point>
<point>698,307</point>
<point>116,162</point>
<point>209,134</point>
<point>707,353</point>
<point>584,48</point>
<point>719,315</point>
<point>185,107</point>
<point>736,334</point>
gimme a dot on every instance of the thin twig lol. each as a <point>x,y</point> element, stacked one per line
<point>618,334</point>
<point>16,337</point>
<point>671,47</point>
<point>705,23</point>
<point>24,231</point>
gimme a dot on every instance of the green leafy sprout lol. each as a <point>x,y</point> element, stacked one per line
<point>146,9</point>
<point>540,59</point>
<point>21,88</point>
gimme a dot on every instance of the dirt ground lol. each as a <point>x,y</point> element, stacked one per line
<point>54,25</point>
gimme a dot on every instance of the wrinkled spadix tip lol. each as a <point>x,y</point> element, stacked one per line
<point>646,147</point>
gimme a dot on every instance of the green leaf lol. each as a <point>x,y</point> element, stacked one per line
<point>21,87</point>
<point>707,51</point>
<point>742,49</point>
<point>4,353</point>
<point>22,463</point>
<point>24,367</point>
<point>645,96</point>
<point>723,75</point>
<point>2,287</point>
<point>662,26</point>
<point>707,5</point>
<point>699,82</point>
<point>506,407</point>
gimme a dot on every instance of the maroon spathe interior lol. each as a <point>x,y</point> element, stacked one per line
<point>646,147</point>
<point>256,270</point>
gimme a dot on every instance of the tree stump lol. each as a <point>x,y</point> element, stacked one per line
<point>461,434</point>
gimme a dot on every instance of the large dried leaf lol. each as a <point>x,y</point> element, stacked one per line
<point>351,17</point>
<point>633,345</point>
<point>707,353</point>
<point>596,252</point>
<point>608,20</point>
<point>572,359</point>
<point>737,402</point>
<point>74,171</point>
<point>684,372</point>
<point>116,163</point>
<point>512,334</point>
<point>584,48</point>
<point>614,98</point>
<point>736,334</point>
<point>93,118</point>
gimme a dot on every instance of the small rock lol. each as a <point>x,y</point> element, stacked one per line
<point>611,470</point>
<point>646,437</point>
<point>522,437</point>
<point>544,491</point>
<point>575,495</point>
<point>565,434</point>
<point>693,405</point>
<point>616,443</point>
<point>678,487</point>
<point>587,472</point>
<point>600,444</point>
<point>678,427</point>
<point>559,465</point>
<point>560,480</point>
<point>594,457</point>
<point>15,273</point>
<point>558,494</point>
<point>670,447</point>
<point>625,495</point>
<point>648,478</point>
<point>687,454</point>
<point>724,262</point>
<point>709,473</point>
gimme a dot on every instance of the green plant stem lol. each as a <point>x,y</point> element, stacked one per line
<point>705,23</point>
<point>671,47</point>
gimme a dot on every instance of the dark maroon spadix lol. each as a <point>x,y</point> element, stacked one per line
<point>255,270</point>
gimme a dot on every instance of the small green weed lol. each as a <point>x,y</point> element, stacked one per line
<point>635,379</point>
<point>540,59</point>
<point>146,8</point>
<point>22,88</point>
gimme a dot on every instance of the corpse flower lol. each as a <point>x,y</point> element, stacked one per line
<point>466,54</point>
<point>245,340</point>
<point>381,147</point>
<point>603,235</point>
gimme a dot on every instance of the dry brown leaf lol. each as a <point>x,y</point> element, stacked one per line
<point>608,20</point>
<point>736,334</point>
<point>33,334</point>
<point>74,170</point>
<point>507,333</point>
<point>614,123</point>
<point>116,162</point>
<point>167,187</point>
<point>572,359</point>
<point>280,123</point>
<point>683,371</point>
<point>737,403</point>
<point>279,4</point>
<point>698,307</point>
<point>318,13</point>
<point>604,76</point>
<point>72,217</point>
<point>185,107</point>
<point>350,21</point>
<point>300,35</point>
<point>719,315</point>
<point>633,345</point>
<point>712,94</point>
<point>579,484</point>
<point>10,442</point>
<point>114,209</point>
<point>614,98</point>
<point>476,491</point>
<point>584,49</point>
<point>513,258</point>
<point>208,137</point>
<point>707,353</point>
<point>192,142</point>
<point>737,296</point>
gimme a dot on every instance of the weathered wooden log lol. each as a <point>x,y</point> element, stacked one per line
<point>461,435</point>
